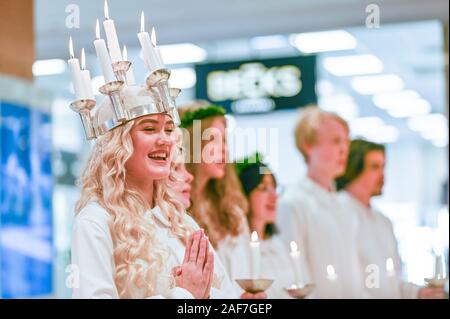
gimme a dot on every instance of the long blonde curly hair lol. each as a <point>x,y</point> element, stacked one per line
<point>138,258</point>
<point>221,210</point>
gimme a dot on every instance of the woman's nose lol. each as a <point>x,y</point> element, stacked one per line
<point>163,138</point>
<point>189,177</point>
<point>273,195</point>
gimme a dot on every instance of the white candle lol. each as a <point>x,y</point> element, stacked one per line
<point>390,267</point>
<point>86,78</point>
<point>438,269</point>
<point>331,273</point>
<point>148,51</point>
<point>74,66</point>
<point>295,256</point>
<point>111,36</point>
<point>130,73</point>
<point>255,254</point>
<point>103,56</point>
<point>157,50</point>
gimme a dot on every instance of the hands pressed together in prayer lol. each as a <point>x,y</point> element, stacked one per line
<point>197,270</point>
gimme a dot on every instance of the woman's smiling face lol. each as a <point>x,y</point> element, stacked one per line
<point>153,143</point>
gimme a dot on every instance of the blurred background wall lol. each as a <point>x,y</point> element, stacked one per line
<point>382,65</point>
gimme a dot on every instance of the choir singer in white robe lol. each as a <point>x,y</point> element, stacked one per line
<point>311,214</point>
<point>379,257</point>
<point>260,188</point>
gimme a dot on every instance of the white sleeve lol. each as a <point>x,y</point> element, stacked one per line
<point>291,224</point>
<point>407,290</point>
<point>226,291</point>
<point>92,257</point>
<point>175,293</point>
<point>222,267</point>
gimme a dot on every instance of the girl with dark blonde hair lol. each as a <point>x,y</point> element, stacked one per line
<point>218,204</point>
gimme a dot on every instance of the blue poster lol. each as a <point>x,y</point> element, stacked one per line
<point>26,250</point>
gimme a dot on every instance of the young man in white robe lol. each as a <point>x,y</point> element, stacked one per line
<point>311,214</point>
<point>378,251</point>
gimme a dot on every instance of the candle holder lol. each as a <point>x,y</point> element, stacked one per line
<point>174,93</point>
<point>157,76</point>
<point>120,69</point>
<point>436,282</point>
<point>254,285</point>
<point>83,108</point>
<point>159,79</point>
<point>112,90</point>
<point>300,292</point>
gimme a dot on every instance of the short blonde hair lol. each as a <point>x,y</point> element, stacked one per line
<point>308,124</point>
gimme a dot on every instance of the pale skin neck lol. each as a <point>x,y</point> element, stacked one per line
<point>361,193</point>
<point>322,178</point>
<point>145,189</point>
<point>259,226</point>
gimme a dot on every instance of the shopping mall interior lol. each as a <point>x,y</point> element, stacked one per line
<point>381,65</point>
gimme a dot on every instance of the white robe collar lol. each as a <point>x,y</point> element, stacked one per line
<point>366,211</point>
<point>315,187</point>
<point>160,216</point>
<point>268,247</point>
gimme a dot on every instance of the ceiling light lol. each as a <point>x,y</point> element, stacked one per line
<point>314,42</point>
<point>183,78</point>
<point>341,104</point>
<point>411,108</point>
<point>268,42</point>
<point>182,53</point>
<point>49,67</point>
<point>373,84</point>
<point>393,99</point>
<point>353,65</point>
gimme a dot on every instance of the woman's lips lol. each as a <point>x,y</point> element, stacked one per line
<point>160,156</point>
<point>186,193</point>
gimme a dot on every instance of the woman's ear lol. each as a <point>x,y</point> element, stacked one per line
<point>306,147</point>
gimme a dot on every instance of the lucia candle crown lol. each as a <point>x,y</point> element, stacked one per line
<point>124,100</point>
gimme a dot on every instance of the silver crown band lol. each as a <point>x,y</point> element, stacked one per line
<point>106,126</point>
<point>133,113</point>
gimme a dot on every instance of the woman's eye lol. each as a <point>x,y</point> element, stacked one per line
<point>149,129</point>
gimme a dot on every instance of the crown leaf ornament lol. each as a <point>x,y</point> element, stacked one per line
<point>203,112</point>
<point>124,99</point>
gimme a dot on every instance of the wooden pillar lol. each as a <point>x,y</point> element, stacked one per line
<point>17,38</point>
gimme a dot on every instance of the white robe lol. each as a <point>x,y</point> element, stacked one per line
<point>377,243</point>
<point>276,263</point>
<point>326,234</point>
<point>93,264</point>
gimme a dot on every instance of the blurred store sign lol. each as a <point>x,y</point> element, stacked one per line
<point>259,86</point>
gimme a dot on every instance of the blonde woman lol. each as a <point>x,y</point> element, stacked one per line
<point>218,204</point>
<point>182,185</point>
<point>131,237</point>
